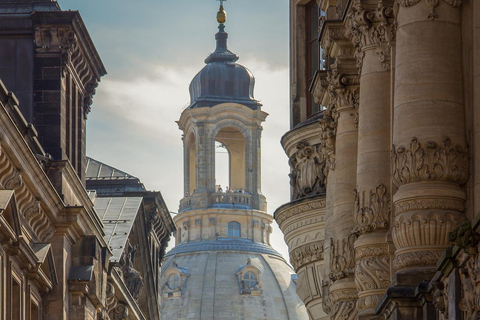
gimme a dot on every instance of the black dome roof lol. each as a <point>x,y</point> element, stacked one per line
<point>222,80</point>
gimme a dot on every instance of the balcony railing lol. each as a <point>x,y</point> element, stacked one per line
<point>232,198</point>
<point>185,203</point>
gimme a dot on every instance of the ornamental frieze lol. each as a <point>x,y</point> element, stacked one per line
<point>342,257</point>
<point>317,204</point>
<point>306,254</point>
<point>307,175</point>
<point>403,206</point>
<point>373,213</point>
<point>429,161</point>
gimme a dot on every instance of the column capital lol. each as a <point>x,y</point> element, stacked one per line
<point>371,28</point>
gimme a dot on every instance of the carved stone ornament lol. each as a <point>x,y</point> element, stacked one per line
<point>429,161</point>
<point>440,298</point>
<point>307,253</point>
<point>373,214</point>
<point>432,4</point>
<point>470,278</point>
<point>371,273</point>
<point>463,236</point>
<point>133,278</point>
<point>328,131</point>
<point>307,171</point>
<point>327,304</point>
<point>342,257</point>
<point>371,29</point>
<point>120,312</point>
<point>343,305</point>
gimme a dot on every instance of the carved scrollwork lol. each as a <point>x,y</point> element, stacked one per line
<point>342,257</point>
<point>307,171</point>
<point>307,253</point>
<point>120,312</point>
<point>430,161</point>
<point>375,214</point>
<point>372,273</point>
<point>344,310</point>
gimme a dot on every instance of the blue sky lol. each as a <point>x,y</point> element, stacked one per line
<point>152,50</point>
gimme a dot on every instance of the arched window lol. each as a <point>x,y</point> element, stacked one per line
<point>233,229</point>
<point>173,281</point>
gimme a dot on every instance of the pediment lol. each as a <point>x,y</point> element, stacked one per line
<point>46,270</point>
<point>9,218</point>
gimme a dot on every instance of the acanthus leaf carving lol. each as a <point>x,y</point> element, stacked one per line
<point>430,161</point>
<point>371,29</point>
<point>328,131</point>
<point>307,175</point>
<point>342,257</point>
<point>464,237</point>
<point>432,15</point>
<point>373,215</point>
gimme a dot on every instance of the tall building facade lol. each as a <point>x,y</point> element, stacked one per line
<point>66,253</point>
<point>223,266</point>
<point>383,151</point>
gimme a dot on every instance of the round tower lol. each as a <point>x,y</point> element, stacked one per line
<point>223,266</point>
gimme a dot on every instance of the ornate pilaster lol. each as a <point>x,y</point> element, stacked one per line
<point>371,28</point>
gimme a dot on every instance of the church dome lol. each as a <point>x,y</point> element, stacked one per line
<point>222,79</point>
<point>229,279</point>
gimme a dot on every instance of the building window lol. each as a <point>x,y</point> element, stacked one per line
<point>173,281</point>
<point>313,52</point>
<point>249,280</point>
<point>234,229</point>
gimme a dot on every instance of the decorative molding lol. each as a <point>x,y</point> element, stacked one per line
<point>430,161</point>
<point>316,204</point>
<point>307,175</point>
<point>307,253</point>
<point>403,206</point>
<point>374,215</point>
<point>342,257</point>
<point>371,29</point>
<point>327,304</point>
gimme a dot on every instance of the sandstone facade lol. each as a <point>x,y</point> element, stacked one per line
<point>388,160</point>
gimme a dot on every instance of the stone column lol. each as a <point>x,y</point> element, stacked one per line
<point>429,155</point>
<point>371,27</point>
<point>343,293</point>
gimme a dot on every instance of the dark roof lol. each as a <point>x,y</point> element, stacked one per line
<point>222,79</point>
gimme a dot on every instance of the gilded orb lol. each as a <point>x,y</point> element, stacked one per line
<point>221,15</point>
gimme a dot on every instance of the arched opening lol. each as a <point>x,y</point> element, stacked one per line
<point>192,163</point>
<point>234,229</point>
<point>230,160</point>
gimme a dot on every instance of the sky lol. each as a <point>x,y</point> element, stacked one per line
<point>152,49</point>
